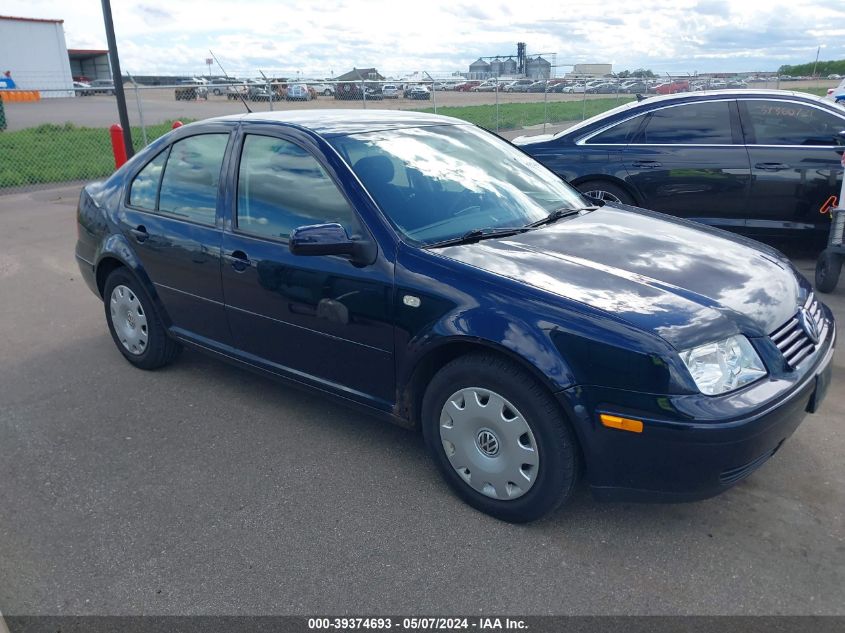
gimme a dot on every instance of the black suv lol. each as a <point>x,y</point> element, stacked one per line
<point>756,161</point>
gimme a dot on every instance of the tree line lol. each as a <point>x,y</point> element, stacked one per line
<point>834,67</point>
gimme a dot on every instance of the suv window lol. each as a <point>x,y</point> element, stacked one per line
<point>144,189</point>
<point>620,134</point>
<point>281,186</point>
<point>788,123</point>
<point>191,177</point>
<point>707,123</point>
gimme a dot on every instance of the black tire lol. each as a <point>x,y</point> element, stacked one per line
<point>160,349</point>
<point>558,453</point>
<point>327,92</point>
<point>828,267</point>
<point>608,189</point>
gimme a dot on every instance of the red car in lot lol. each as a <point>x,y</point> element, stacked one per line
<point>671,87</point>
<point>467,86</point>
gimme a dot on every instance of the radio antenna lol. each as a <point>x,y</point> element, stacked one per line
<point>225,74</point>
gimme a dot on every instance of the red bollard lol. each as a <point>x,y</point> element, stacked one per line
<point>177,124</point>
<point>117,145</point>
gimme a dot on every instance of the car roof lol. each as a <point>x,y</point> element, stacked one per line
<point>338,122</point>
<point>688,97</point>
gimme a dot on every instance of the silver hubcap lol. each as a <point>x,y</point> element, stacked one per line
<point>489,443</point>
<point>129,320</point>
<point>600,194</point>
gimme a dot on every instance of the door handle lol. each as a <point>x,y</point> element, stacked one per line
<point>646,164</point>
<point>140,233</point>
<point>771,166</point>
<point>239,260</point>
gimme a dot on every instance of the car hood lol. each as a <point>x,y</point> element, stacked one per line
<point>689,285</point>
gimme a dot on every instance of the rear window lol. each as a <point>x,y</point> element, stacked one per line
<point>707,123</point>
<point>620,134</point>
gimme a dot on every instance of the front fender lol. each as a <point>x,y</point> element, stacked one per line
<point>525,343</point>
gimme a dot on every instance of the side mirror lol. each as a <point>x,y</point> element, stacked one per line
<point>330,239</point>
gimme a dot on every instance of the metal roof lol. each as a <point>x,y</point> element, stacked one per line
<point>19,19</point>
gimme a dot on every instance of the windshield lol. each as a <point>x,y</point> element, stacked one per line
<point>437,183</point>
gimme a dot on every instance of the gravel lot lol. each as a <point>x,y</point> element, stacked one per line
<point>204,489</point>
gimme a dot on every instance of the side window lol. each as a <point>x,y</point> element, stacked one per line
<point>143,191</point>
<point>787,123</point>
<point>620,134</point>
<point>707,123</point>
<point>281,187</point>
<point>191,177</point>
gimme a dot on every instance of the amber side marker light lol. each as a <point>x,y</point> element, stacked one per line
<point>623,424</point>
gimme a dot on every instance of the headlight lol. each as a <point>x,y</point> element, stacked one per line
<point>723,366</point>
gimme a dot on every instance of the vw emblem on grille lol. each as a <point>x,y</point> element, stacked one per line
<point>809,325</point>
<point>487,442</point>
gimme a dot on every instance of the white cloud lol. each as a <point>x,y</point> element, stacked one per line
<point>441,35</point>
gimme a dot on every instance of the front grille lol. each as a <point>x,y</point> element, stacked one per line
<point>733,475</point>
<point>791,338</point>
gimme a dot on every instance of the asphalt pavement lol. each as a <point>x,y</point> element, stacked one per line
<point>205,489</point>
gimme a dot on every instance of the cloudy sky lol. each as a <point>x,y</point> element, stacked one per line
<point>398,36</point>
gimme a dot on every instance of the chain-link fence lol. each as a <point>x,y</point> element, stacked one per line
<point>61,134</point>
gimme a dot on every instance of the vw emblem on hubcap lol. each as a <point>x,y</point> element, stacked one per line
<point>809,325</point>
<point>487,442</point>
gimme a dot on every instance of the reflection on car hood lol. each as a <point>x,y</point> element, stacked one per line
<point>686,284</point>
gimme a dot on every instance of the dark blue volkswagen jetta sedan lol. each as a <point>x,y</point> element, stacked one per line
<point>429,271</point>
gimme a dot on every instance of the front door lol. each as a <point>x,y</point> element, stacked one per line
<point>170,220</point>
<point>688,160</point>
<point>318,319</point>
<point>793,160</point>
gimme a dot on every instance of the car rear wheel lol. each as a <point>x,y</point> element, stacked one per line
<point>327,92</point>
<point>499,438</point>
<point>134,323</point>
<point>605,191</point>
<point>828,267</point>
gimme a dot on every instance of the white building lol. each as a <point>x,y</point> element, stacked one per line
<point>35,52</point>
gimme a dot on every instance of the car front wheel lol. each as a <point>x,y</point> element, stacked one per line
<point>499,438</point>
<point>134,323</point>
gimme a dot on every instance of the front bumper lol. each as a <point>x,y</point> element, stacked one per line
<point>683,459</point>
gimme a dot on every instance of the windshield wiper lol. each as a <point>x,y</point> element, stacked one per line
<point>557,214</point>
<point>476,235</point>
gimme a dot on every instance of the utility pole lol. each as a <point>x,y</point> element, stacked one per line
<point>816,63</point>
<point>117,77</point>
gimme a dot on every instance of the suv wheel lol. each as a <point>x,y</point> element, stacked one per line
<point>135,326</point>
<point>605,191</point>
<point>828,267</point>
<point>499,438</point>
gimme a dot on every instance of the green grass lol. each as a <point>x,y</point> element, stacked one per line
<point>61,153</point>
<point>820,92</point>
<point>513,116</point>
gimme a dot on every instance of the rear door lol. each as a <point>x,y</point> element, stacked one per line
<point>688,160</point>
<point>170,217</point>
<point>793,161</point>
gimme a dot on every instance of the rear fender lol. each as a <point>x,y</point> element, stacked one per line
<point>117,247</point>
